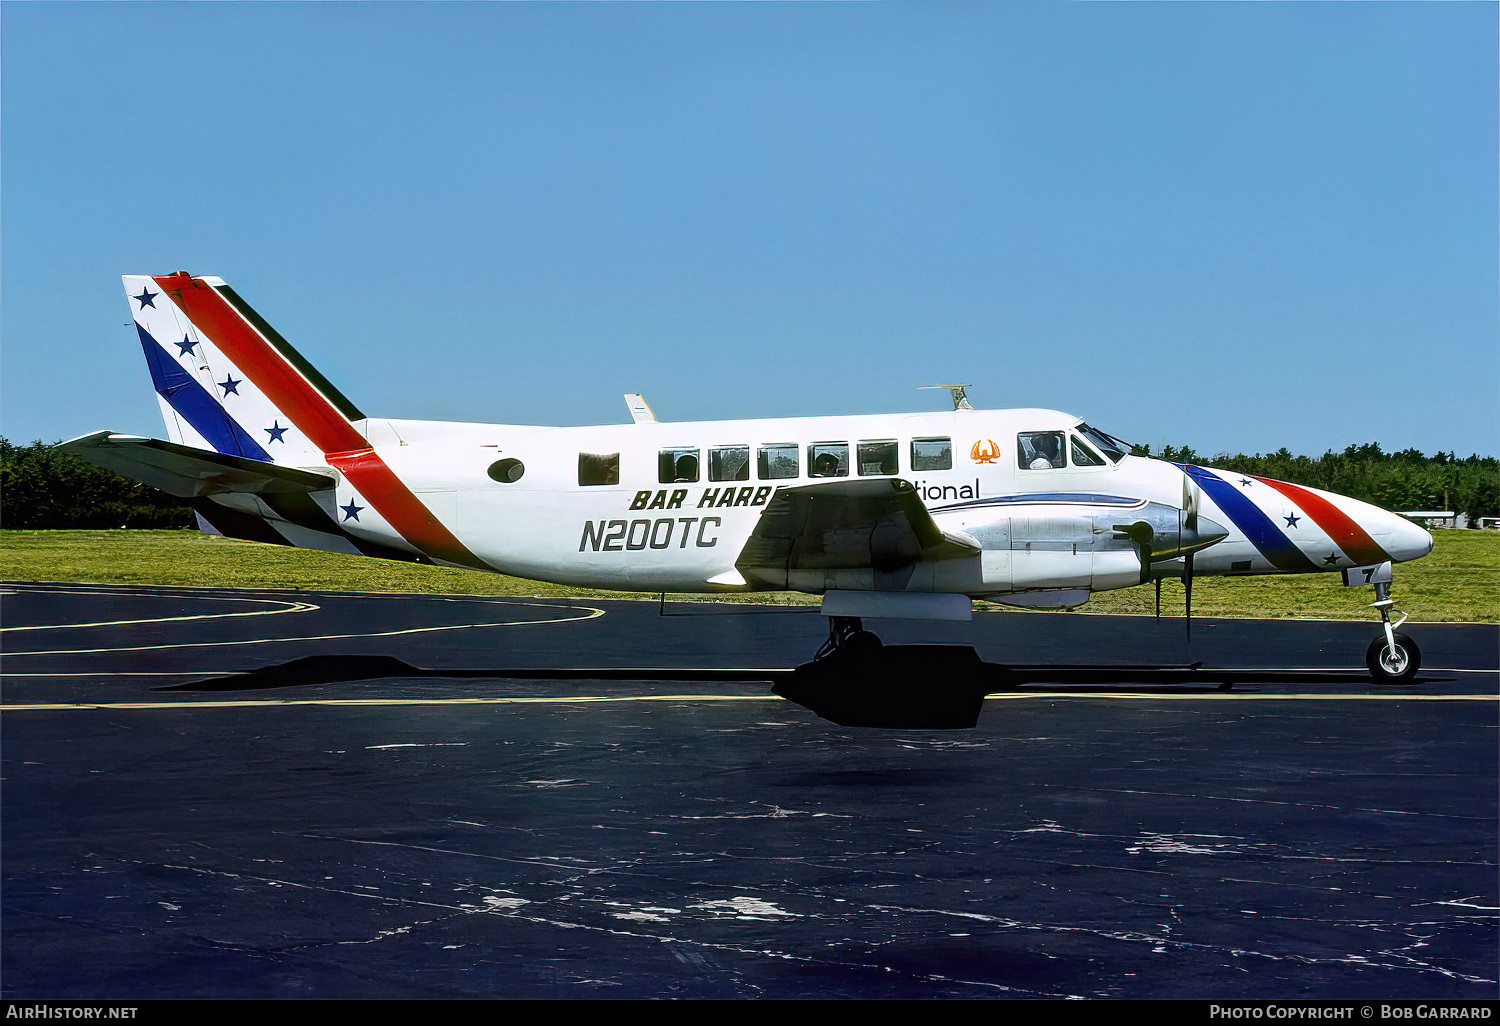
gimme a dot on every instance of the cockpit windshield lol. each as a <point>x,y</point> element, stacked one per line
<point>1108,444</point>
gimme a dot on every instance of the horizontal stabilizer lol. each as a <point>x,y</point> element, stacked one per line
<point>187,472</point>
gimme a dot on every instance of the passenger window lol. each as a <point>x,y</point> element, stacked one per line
<point>598,469</point>
<point>932,454</point>
<point>729,463</point>
<point>776,461</point>
<point>1083,456</point>
<point>1040,450</point>
<point>828,459</point>
<point>877,458</point>
<point>677,466</point>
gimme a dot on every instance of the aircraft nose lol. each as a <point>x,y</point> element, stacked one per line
<point>1405,539</point>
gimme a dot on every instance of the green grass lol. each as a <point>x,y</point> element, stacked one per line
<point>1459,581</point>
<point>190,559</point>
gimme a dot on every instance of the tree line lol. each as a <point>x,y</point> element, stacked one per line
<point>1405,480</point>
<point>44,487</point>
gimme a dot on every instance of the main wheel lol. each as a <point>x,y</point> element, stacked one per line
<point>863,645</point>
<point>1393,665</point>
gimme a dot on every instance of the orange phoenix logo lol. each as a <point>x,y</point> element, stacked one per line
<point>985,451</point>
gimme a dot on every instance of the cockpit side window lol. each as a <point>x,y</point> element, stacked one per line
<point>1040,450</point>
<point>1083,456</point>
<point>1107,444</point>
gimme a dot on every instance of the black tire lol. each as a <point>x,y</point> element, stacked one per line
<point>1393,667</point>
<point>863,645</point>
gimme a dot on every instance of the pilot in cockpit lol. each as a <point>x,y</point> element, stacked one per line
<point>1040,450</point>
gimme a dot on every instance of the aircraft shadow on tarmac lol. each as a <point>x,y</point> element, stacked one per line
<point>903,686</point>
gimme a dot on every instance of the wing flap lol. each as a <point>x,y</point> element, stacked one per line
<point>187,472</point>
<point>877,524</point>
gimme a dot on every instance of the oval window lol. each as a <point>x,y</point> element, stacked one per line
<point>507,471</point>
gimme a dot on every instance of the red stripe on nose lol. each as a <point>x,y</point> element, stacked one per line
<point>1338,525</point>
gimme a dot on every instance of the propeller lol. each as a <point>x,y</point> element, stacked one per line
<point>1167,533</point>
<point>1187,527</point>
<point>1141,534</point>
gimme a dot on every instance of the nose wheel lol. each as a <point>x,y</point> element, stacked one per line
<point>1393,657</point>
<point>1393,660</point>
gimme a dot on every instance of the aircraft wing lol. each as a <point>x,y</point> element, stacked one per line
<point>846,525</point>
<point>187,472</point>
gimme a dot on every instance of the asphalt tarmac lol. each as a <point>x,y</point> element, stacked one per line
<point>640,817</point>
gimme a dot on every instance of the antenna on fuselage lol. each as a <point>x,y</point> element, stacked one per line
<point>960,397</point>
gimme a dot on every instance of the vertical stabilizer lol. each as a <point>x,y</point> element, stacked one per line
<point>227,381</point>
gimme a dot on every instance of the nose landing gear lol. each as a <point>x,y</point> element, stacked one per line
<point>1393,657</point>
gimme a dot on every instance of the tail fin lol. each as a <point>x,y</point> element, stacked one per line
<point>229,384</point>
<point>227,381</point>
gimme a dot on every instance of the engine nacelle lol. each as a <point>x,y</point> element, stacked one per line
<point>1097,543</point>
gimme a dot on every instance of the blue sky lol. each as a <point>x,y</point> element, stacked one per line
<point>1233,226</point>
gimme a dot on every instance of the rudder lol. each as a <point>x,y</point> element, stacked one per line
<point>227,381</point>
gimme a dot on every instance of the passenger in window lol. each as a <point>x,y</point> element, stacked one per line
<point>687,468</point>
<point>826,465</point>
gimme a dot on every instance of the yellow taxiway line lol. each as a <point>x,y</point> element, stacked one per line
<point>377,702</point>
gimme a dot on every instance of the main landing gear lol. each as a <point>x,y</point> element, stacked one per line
<point>856,681</point>
<point>847,634</point>
<point>1393,657</point>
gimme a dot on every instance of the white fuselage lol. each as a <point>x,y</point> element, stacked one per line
<point>652,523</point>
<point>1031,504</point>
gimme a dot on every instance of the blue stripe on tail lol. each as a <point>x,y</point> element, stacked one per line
<point>196,405</point>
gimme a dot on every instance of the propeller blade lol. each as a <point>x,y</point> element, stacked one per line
<point>1187,592</point>
<point>1191,500</point>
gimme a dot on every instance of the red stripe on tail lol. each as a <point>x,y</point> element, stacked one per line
<point>401,509</point>
<point>291,393</point>
<point>342,446</point>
